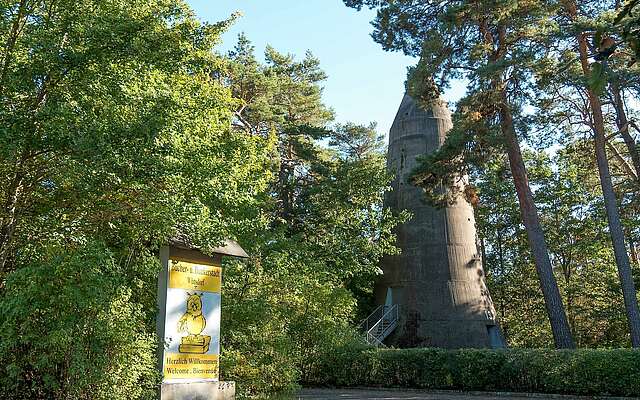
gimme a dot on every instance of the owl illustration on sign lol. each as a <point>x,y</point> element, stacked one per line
<point>193,323</point>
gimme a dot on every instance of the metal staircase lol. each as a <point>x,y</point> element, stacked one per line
<point>379,324</point>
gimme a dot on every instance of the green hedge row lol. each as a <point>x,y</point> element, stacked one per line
<point>579,372</point>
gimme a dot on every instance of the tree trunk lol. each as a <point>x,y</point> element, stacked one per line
<point>8,221</point>
<point>535,235</point>
<point>284,185</point>
<point>610,202</point>
<point>500,254</point>
<point>12,38</point>
<point>634,253</point>
<point>623,127</point>
<point>615,227</point>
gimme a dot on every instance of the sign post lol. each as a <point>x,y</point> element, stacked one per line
<point>189,298</point>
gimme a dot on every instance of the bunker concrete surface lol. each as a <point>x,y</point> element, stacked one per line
<point>437,281</point>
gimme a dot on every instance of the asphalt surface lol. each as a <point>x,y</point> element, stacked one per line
<point>358,394</point>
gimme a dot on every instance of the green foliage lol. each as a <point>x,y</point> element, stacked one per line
<point>73,325</point>
<point>115,136</point>
<point>581,372</point>
<point>356,141</point>
<point>278,322</point>
<point>629,19</point>
<point>491,45</point>
<point>526,80</point>
<point>572,214</point>
<point>597,80</point>
<point>121,128</point>
<point>472,141</point>
<point>104,134</point>
<point>316,252</point>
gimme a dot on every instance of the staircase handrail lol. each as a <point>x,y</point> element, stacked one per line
<point>366,323</point>
<point>390,311</point>
<point>372,339</point>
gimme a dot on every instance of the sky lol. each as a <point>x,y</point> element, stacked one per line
<point>365,83</point>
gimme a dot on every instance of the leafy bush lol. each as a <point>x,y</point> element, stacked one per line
<point>581,372</point>
<point>72,327</point>
<point>276,324</point>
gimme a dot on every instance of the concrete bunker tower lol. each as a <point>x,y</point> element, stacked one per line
<point>437,282</point>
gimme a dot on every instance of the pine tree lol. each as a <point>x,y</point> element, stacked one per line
<point>593,82</point>
<point>490,44</point>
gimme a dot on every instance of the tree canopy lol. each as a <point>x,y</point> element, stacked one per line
<point>110,146</point>
<point>540,74</point>
<point>123,125</point>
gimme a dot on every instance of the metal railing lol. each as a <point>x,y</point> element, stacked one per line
<point>379,324</point>
<point>371,319</point>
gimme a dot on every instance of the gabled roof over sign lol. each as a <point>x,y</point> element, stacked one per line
<point>229,248</point>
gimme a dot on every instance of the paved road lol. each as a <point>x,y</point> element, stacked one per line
<point>361,394</point>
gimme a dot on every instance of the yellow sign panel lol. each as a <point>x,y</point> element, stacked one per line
<point>192,322</point>
<point>189,276</point>
<point>186,366</point>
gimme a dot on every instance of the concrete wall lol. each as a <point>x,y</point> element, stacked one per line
<point>438,280</point>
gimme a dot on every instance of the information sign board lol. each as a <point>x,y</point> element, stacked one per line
<point>192,322</point>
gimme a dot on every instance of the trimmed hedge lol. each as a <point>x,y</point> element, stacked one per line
<point>579,372</point>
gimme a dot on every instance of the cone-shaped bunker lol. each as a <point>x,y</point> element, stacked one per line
<point>438,281</point>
